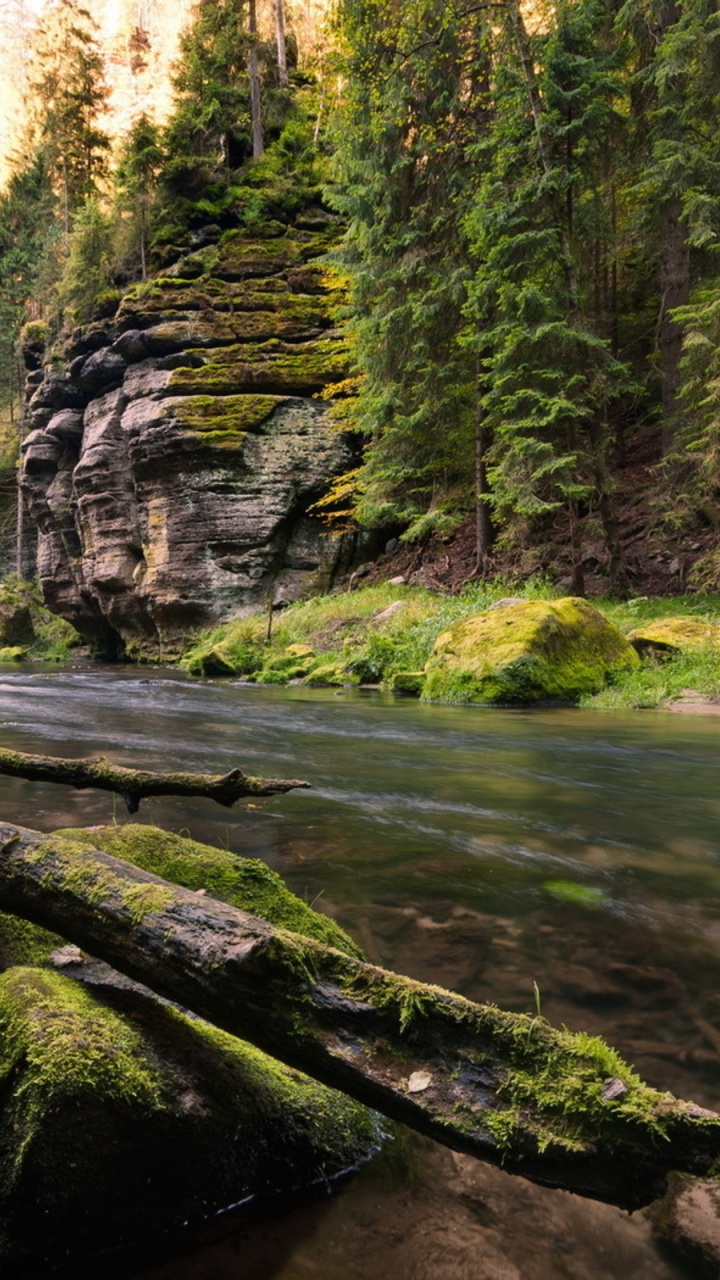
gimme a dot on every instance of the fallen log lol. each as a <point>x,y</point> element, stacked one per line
<point>561,1109</point>
<point>135,785</point>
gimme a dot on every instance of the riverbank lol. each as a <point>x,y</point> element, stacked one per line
<point>383,634</point>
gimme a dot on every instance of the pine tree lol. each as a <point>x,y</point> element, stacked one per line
<point>676,100</point>
<point>68,89</point>
<point>414,97</point>
<point>549,371</point>
<point>136,194</point>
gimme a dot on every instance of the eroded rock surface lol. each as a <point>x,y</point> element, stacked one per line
<point>173,459</point>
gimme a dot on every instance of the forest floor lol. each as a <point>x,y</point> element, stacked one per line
<point>667,551</point>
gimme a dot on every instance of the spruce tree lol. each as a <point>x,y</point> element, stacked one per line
<point>69,93</point>
<point>413,102</point>
<point>549,371</point>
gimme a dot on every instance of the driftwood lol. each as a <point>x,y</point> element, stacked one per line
<point>135,785</point>
<point>559,1109</point>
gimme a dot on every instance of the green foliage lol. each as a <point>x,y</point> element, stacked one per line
<point>136,196</point>
<point>68,87</point>
<point>549,372</point>
<point>208,139</point>
<point>401,179</point>
<point>87,271</point>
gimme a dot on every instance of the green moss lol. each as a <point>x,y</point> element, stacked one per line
<point>676,635</point>
<point>527,652</point>
<point>54,637</point>
<point>292,368</point>
<point>117,1109</point>
<point>13,653</point>
<point>25,943</point>
<point>224,420</point>
<point>329,674</point>
<point>408,682</point>
<point>68,1044</point>
<point>246,883</point>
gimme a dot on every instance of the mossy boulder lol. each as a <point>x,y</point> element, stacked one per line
<point>675,635</point>
<point>407,682</point>
<point>535,651</point>
<point>16,624</point>
<point>328,674</point>
<point>13,653</point>
<point>122,1117</point>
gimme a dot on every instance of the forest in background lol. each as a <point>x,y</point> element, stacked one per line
<point>530,199</point>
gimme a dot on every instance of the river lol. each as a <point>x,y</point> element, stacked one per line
<point>488,851</point>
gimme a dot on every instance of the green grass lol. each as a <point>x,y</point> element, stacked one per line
<point>347,641</point>
<point>350,643</point>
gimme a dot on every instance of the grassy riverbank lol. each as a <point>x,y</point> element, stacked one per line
<point>384,634</point>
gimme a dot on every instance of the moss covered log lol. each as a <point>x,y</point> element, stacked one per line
<point>561,1109</point>
<point>135,785</point>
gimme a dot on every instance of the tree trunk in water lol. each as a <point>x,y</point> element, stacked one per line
<point>283,80</point>
<point>254,74</point>
<point>561,1110</point>
<point>134,785</point>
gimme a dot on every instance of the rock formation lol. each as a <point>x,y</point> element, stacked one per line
<point>176,448</point>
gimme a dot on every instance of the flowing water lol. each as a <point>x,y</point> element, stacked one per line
<point>488,851</point>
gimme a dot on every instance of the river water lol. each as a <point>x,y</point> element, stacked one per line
<point>488,851</point>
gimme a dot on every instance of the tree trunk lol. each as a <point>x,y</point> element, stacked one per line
<point>135,785</point>
<point>283,80</point>
<point>483,524</point>
<point>254,74</point>
<point>674,292</point>
<point>561,1110</point>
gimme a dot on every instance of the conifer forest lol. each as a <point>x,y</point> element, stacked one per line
<point>526,272</point>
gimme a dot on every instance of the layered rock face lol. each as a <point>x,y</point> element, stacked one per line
<point>174,456</point>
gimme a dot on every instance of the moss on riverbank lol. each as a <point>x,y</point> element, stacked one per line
<point>29,631</point>
<point>383,635</point>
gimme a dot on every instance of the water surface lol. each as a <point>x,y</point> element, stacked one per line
<point>489,851</point>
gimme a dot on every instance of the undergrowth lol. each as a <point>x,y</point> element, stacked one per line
<point>378,635</point>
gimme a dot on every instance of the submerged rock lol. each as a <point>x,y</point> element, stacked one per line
<point>121,1116</point>
<point>675,635</point>
<point>172,470</point>
<point>527,652</point>
<point>688,1220</point>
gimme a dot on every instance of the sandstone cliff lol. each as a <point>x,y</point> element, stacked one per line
<point>175,448</point>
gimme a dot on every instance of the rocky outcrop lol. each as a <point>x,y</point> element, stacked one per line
<point>175,454</point>
<point>534,651</point>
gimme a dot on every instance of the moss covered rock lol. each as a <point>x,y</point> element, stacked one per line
<point>407,682</point>
<point>675,635</point>
<point>182,493</point>
<point>122,1117</point>
<point>527,652</point>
